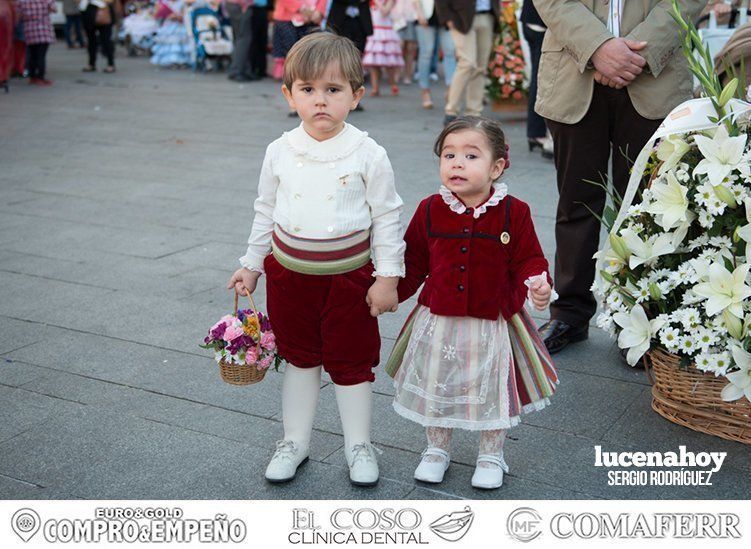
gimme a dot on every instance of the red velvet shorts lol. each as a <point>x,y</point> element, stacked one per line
<point>324,320</point>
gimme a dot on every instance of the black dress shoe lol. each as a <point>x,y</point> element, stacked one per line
<point>556,334</point>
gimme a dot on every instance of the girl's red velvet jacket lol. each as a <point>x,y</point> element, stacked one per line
<point>471,267</point>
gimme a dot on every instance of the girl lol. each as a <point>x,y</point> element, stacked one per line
<point>38,33</point>
<point>326,205</point>
<point>173,46</point>
<point>293,19</point>
<point>383,48</point>
<point>469,356</point>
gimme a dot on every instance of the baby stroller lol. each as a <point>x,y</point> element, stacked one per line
<point>212,35</point>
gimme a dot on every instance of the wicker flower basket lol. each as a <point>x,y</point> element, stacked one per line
<point>691,398</point>
<point>242,374</point>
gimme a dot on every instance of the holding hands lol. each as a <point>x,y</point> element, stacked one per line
<point>382,296</point>
<point>617,62</point>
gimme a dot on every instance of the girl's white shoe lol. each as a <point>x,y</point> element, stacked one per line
<point>489,478</point>
<point>431,470</point>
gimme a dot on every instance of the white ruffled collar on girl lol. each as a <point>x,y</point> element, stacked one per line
<point>340,146</point>
<point>500,190</point>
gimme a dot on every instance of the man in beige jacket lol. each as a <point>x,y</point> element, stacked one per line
<point>610,71</point>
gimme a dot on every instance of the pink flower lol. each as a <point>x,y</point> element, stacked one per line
<point>229,319</point>
<point>232,333</point>
<point>268,341</point>
<point>266,362</point>
<point>251,356</point>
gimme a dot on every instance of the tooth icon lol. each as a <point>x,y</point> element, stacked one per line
<point>25,523</point>
<point>454,526</point>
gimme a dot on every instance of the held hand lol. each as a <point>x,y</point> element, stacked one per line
<point>421,20</point>
<point>540,292</point>
<point>382,296</point>
<point>244,281</point>
<point>618,61</point>
<point>600,79</point>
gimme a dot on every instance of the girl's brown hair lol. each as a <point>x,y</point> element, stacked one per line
<point>311,56</point>
<point>489,128</point>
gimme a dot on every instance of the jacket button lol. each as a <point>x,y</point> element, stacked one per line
<point>464,249</point>
<point>460,287</point>
<point>465,230</point>
<point>468,211</point>
<point>462,268</point>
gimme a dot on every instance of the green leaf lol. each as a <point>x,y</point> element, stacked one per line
<point>728,92</point>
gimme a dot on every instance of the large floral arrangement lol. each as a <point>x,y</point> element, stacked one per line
<point>675,271</point>
<point>507,77</point>
<point>243,338</point>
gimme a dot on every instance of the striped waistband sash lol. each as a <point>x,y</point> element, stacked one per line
<point>321,256</point>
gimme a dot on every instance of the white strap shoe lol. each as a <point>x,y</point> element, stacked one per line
<point>283,465</point>
<point>431,470</point>
<point>363,465</point>
<point>489,478</point>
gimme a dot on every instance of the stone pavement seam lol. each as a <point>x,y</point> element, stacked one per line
<point>34,484</point>
<point>58,280</point>
<point>202,355</point>
<point>125,385</point>
<point>606,430</point>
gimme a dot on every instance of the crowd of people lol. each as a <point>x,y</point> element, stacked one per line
<point>401,41</point>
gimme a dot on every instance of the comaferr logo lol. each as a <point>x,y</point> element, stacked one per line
<point>644,525</point>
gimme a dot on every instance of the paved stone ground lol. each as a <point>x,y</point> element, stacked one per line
<point>124,202</point>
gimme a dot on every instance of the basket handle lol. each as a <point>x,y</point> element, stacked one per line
<point>253,308</point>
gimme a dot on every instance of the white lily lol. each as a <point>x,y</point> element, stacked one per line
<point>679,235</point>
<point>646,251</point>
<point>721,154</point>
<point>637,331</point>
<point>740,381</point>
<point>724,290</point>
<point>670,151</point>
<point>745,231</point>
<point>669,202</point>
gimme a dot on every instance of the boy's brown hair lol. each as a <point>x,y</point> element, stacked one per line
<point>311,56</point>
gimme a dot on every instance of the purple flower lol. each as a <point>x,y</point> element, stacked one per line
<point>217,332</point>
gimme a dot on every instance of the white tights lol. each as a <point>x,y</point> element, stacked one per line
<point>491,442</point>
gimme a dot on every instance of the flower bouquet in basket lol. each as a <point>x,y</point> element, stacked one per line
<point>244,345</point>
<point>508,83</point>
<point>673,276</point>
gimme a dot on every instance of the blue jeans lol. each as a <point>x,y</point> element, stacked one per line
<point>73,22</point>
<point>426,38</point>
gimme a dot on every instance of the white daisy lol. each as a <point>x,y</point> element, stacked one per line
<point>670,337</point>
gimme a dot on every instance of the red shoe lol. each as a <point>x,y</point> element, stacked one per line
<point>394,90</point>
<point>44,82</point>
<point>34,81</point>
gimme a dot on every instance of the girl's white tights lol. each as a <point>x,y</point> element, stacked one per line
<point>300,390</point>
<point>491,442</point>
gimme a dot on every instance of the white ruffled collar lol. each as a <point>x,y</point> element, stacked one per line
<point>341,145</point>
<point>500,190</point>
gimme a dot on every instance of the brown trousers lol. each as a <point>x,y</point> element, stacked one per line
<point>611,127</point>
